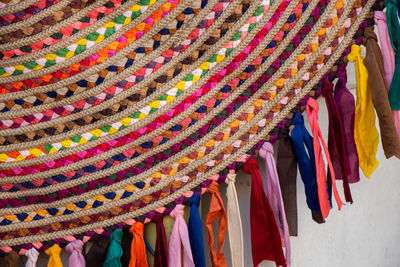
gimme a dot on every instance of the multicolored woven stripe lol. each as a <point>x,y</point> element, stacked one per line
<point>120,116</point>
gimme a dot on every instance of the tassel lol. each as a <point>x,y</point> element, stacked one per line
<point>114,252</point>
<point>312,114</point>
<point>235,231</point>
<point>346,105</point>
<point>365,133</point>
<point>336,141</point>
<point>179,234</point>
<point>286,165</point>
<point>12,259</point>
<point>161,252</point>
<point>306,161</point>
<point>33,256</point>
<point>196,232</point>
<point>96,255</point>
<point>216,211</point>
<point>75,248</point>
<point>265,237</point>
<point>54,252</point>
<point>275,195</point>
<point>138,247</point>
<point>374,63</point>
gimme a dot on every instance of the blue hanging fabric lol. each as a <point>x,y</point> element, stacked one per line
<point>115,251</point>
<point>196,232</point>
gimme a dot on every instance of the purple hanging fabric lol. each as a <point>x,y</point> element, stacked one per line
<point>75,248</point>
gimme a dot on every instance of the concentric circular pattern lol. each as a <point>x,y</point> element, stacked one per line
<point>113,111</point>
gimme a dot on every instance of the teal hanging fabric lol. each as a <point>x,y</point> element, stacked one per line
<point>115,251</point>
<point>394,33</point>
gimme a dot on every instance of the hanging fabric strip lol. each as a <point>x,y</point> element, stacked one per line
<point>138,248</point>
<point>374,63</point>
<point>33,256</point>
<point>346,105</point>
<point>12,259</point>
<point>161,252</point>
<point>336,141</point>
<point>275,194</point>
<point>75,248</point>
<point>216,211</point>
<point>286,165</point>
<point>312,114</point>
<point>148,246</point>
<point>234,219</point>
<point>96,255</point>
<point>115,251</point>
<point>306,160</point>
<point>179,234</point>
<point>196,232</point>
<point>365,133</point>
<point>265,237</point>
<point>54,253</point>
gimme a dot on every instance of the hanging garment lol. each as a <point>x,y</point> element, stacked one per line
<point>161,251</point>
<point>336,141</point>
<point>286,165</point>
<point>96,255</point>
<point>275,195</point>
<point>196,232</point>
<point>179,235</point>
<point>54,253</point>
<point>234,220</point>
<point>365,133</point>
<point>114,252</point>
<point>374,63</point>
<point>388,58</point>
<point>306,160</point>
<point>312,114</point>
<point>126,243</point>
<point>75,248</point>
<point>265,237</point>
<point>216,211</point>
<point>138,247</point>
<point>33,256</point>
<point>346,105</point>
<point>12,259</point>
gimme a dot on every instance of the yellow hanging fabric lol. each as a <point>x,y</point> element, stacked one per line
<point>54,252</point>
<point>365,133</point>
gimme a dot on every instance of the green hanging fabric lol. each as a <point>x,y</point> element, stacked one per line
<point>115,251</point>
<point>394,33</point>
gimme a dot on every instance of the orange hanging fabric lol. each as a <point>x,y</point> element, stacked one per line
<point>312,114</point>
<point>138,248</point>
<point>217,210</point>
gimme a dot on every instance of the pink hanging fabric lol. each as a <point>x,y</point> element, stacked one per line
<point>179,234</point>
<point>275,195</point>
<point>312,114</point>
<point>75,248</point>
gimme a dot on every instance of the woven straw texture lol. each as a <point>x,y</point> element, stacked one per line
<point>115,111</point>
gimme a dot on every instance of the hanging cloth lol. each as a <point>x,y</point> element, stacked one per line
<point>234,220</point>
<point>265,237</point>
<point>275,195</point>
<point>75,248</point>
<point>216,211</point>
<point>12,259</point>
<point>374,63</point>
<point>286,165</point>
<point>306,161</point>
<point>196,232</point>
<point>312,114</point>
<point>346,105</point>
<point>33,256</point>
<point>365,133</point>
<point>138,247</point>
<point>96,255</point>
<point>179,234</point>
<point>161,252</point>
<point>114,252</point>
<point>54,253</point>
<point>336,140</point>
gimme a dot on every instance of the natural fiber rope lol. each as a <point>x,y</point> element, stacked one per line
<point>232,158</point>
<point>16,7</point>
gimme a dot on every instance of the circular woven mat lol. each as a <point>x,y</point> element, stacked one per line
<point>113,111</point>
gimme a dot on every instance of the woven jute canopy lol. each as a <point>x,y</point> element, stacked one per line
<point>116,111</point>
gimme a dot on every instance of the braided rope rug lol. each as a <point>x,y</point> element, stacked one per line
<point>114,111</point>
